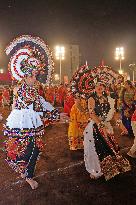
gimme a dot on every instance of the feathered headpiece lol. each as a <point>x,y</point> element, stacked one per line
<point>30,53</point>
<point>85,79</point>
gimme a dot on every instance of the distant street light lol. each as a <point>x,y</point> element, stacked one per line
<point>133,67</point>
<point>60,53</point>
<point>1,70</point>
<point>56,77</point>
<point>120,72</point>
<point>119,55</point>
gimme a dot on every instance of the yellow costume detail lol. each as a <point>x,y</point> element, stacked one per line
<point>79,116</point>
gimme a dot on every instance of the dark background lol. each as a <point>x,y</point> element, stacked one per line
<point>98,26</point>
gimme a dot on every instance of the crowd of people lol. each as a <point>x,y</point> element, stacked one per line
<point>89,125</point>
<point>92,100</point>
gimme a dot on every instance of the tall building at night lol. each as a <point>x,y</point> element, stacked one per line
<point>72,60</point>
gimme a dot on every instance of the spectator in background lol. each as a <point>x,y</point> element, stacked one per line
<point>127,97</point>
<point>68,102</point>
<point>5,97</point>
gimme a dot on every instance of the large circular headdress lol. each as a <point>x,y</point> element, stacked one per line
<point>30,53</point>
<point>82,83</point>
<point>85,79</point>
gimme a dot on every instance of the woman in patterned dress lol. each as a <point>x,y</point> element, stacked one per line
<point>24,129</point>
<point>101,151</point>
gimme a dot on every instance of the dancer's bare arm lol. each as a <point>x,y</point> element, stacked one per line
<point>94,117</point>
<point>14,96</point>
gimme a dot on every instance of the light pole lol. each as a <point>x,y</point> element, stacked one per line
<point>60,52</point>
<point>119,55</point>
<point>133,70</point>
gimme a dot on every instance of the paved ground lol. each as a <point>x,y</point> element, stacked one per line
<point>62,177</point>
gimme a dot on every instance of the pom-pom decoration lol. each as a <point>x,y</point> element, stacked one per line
<point>84,80</point>
<point>30,53</point>
<point>82,83</point>
<point>106,75</point>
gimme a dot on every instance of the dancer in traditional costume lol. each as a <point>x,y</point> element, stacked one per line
<point>79,114</point>
<point>24,127</point>
<point>101,151</point>
<point>78,120</point>
<point>127,97</point>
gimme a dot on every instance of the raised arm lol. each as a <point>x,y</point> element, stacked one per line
<point>14,97</point>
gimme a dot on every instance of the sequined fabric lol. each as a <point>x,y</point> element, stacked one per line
<point>24,129</point>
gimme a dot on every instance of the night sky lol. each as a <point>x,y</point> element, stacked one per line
<point>97,26</point>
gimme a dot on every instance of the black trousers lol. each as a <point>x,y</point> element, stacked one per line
<point>30,157</point>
